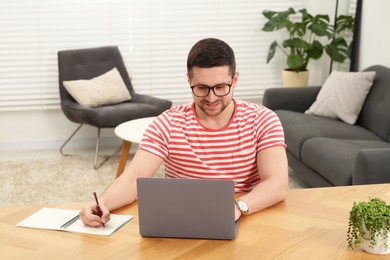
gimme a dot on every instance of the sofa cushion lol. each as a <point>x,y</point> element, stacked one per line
<point>342,95</point>
<point>299,127</point>
<point>334,159</point>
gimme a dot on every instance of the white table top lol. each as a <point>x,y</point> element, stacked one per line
<point>133,130</point>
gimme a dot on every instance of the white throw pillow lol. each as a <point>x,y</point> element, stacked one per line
<point>105,89</point>
<point>342,95</point>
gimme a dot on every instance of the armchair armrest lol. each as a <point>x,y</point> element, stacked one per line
<point>74,111</point>
<point>294,99</point>
<point>164,104</point>
<point>372,166</point>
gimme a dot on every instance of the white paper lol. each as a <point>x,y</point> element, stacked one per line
<point>52,218</point>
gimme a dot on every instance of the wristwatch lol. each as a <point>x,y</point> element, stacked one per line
<point>242,206</point>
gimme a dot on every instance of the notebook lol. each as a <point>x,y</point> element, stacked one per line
<point>68,220</point>
<point>186,208</point>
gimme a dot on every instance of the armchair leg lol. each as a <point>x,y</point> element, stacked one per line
<point>67,140</point>
<point>96,165</point>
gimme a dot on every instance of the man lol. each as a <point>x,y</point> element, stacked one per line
<point>213,137</point>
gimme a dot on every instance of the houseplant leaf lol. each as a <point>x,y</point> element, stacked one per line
<point>307,37</point>
<point>337,50</point>
<point>271,51</point>
<point>344,22</point>
<point>320,26</point>
<point>295,62</point>
<point>316,50</point>
<point>367,221</point>
<point>277,20</point>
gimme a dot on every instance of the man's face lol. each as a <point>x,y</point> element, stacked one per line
<point>212,105</point>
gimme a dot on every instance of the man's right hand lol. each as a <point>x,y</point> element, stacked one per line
<point>89,216</point>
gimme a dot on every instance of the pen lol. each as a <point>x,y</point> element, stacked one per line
<point>99,210</point>
<point>70,222</point>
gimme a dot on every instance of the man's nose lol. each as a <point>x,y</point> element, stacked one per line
<point>211,96</point>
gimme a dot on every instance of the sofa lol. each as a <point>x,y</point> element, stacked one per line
<point>325,151</point>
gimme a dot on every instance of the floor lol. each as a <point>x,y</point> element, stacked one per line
<point>31,154</point>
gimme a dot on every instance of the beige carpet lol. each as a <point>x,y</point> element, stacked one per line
<point>56,180</point>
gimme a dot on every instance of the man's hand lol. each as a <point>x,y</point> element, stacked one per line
<point>237,212</point>
<point>89,215</point>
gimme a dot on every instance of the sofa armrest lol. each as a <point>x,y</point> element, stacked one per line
<point>372,166</point>
<point>294,99</point>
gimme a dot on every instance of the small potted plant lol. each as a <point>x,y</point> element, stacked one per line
<point>369,226</point>
<point>307,38</point>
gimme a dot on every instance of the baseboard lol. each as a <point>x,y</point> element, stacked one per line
<point>75,146</point>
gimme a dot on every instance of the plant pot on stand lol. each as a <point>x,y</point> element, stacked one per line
<point>295,79</point>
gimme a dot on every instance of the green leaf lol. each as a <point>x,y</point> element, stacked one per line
<point>298,29</point>
<point>316,50</point>
<point>295,62</point>
<point>271,51</point>
<point>268,14</point>
<point>320,26</point>
<point>277,20</point>
<point>269,27</point>
<point>344,22</point>
<point>308,36</point>
<point>337,50</point>
<point>296,43</point>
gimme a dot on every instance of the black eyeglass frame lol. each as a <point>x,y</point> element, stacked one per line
<point>212,88</point>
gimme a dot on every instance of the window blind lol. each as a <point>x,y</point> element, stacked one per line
<point>153,36</point>
<point>32,32</point>
<point>164,31</point>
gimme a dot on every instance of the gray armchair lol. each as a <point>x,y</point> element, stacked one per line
<point>92,62</point>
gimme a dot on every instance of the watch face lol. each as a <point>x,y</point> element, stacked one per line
<point>242,205</point>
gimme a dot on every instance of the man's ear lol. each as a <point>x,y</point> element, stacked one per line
<point>188,78</point>
<point>235,78</point>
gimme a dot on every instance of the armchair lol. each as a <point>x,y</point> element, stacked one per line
<point>92,62</point>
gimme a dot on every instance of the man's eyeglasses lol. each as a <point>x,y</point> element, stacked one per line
<point>219,90</point>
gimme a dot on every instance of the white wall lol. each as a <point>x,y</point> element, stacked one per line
<point>47,129</point>
<point>375,34</point>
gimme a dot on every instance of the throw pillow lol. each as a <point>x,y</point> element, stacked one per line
<point>342,95</point>
<point>105,89</point>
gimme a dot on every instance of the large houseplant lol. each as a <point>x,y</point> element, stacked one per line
<point>308,37</point>
<point>369,226</point>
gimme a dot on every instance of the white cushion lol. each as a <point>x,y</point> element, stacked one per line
<point>342,96</point>
<point>105,89</point>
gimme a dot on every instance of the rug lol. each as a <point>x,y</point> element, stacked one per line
<point>57,180</point>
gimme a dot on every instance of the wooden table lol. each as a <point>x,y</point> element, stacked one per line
<point>310,224</point>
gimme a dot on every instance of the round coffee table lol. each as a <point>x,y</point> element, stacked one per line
<point>131,132</point>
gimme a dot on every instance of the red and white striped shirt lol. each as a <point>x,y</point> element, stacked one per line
<point>191,150</point>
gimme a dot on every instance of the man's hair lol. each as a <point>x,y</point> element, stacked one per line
<point>211,52</point>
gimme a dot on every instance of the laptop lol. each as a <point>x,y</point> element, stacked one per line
<point>186,208</point>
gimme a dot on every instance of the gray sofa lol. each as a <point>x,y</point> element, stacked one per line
<point>328,152</point>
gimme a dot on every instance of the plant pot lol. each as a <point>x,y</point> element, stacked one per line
<point>295,79</point>
<point>379,248</point>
